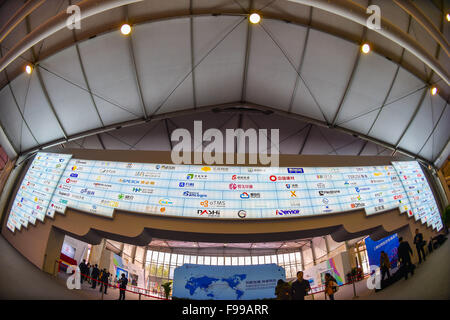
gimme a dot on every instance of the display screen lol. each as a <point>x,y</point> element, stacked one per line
<point>231,192</point>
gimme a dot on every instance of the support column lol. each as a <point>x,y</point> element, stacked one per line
<point>133,254</point>
<point>303,261</point>
<point>53,251</point>
<point>313,252</point>
<point>96,253</point>
<point>327,246</point>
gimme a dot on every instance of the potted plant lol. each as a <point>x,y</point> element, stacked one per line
<point>167,289</point>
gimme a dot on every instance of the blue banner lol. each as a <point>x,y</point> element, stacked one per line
<point>200,282</point>
<point>388,245</point>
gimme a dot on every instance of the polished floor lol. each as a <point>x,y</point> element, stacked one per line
<point>20,279</point>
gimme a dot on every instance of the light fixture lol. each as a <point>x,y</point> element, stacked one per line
<point>28,69</point>
<point>434,90</point>
<point>255,18</point>
<point>365,48</point>
<point>448,16</point>
<point>125,29</point>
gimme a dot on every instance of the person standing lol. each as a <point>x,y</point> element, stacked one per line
<point>404,255</point>
<point>283,290</point>
<point>300,287</point>
<point>104,280</point>
<point>330,286</point>
<point>418,241</point>
<point>385,265</point>
<point>82,267</point>
<point>95,274</point>
<point>122,287</point>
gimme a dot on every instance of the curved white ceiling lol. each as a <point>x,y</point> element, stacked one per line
<point>310,71</point>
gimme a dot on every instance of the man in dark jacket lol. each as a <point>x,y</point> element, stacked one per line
<point>300,287</point>
<point>122,287</point>
<point>82,267</point>
<point>94,276</point>
<point>404,251</point>
<point>104,280</point>
<point>418,241</point>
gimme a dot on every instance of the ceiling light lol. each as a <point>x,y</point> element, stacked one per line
<point>28,69</point>
<point>448,16</point>
<point>125,29</point>
<point>434,90</point>
<point>255,18</point>
<point>365,48</point>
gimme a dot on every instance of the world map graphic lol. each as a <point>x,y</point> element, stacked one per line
<point>208,284</point>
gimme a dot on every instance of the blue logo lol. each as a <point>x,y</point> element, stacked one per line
<point>158,167</point>
<point>182,184</point>
<point>295,170</point>
<point>284,212</point>
<point>61,160</point>
<point>244,195</point>
<point>288,186</point>
<point>190,176</point>
<point>357,189</point>
<point>74,175</point>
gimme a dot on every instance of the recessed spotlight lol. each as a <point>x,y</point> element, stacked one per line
<point>125,29</point>
<point>434,90</point>
<point>365,48</point>
<point>255,18</point>
<point>28,69</point>
<point>448,16</point>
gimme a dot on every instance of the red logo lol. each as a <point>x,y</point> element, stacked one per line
<point>273,178</point>
<point>233,177</point>
<point>68,180</point>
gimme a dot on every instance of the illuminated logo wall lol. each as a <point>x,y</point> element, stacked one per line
<point>56,181</point>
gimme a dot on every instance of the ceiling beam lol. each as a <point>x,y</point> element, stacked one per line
<point>411,9</point>
<point>191,36</point>
<point>357,13</point>
<point>204,109</point>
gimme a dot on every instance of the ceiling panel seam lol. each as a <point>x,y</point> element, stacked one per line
<point>43,86</point>
<point>302,59</point>
<point>295,69</point>
<point>134,68</point>
<point>191,36</point>
<point>196,65</point>
<point>248,41</point>
<point>432,131</point>
<point>392,84</point>
<point>306,139</point>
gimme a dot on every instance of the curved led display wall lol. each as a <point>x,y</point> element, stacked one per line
<point>56,181</point>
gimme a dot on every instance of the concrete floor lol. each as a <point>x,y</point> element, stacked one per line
<point>20,279</point>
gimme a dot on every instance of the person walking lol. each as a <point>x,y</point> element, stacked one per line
<point>330,286</point>
<point>122,287</point>
<point>418,241</point>
<point>404,256</point>
<point>300,287</point>
<point>283,290</point>
<point>94,276</point>
<point>385,265</point>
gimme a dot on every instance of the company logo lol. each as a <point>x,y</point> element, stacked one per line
<point>190,176</point>
<point>325,201</point>
<point>74,175</point>
<point>330,192</point>
<point>182,184</point>
<point>204,203</point>
<point>287,212</point>
<point>295,170</point>
<point>293,195</point>
<point>273,178</point>
<point>209,213</point>
<point>206,169</point>
<point>58,165</point>
<point>288,186</point>
<point>74,168</point>
<point>87,191</point>
<point>194,194</point>
<point>358,205</point>
<point>158,167</point>
<point>242,214</point>
<point>244,195</point>
<point>165,202</point>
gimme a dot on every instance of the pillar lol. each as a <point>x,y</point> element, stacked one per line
<point>53,251</point>
<point>133,254</point>
<point>313,252</point>
<point>96,253</point>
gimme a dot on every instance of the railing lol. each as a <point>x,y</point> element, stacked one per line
<point>141,292</point>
